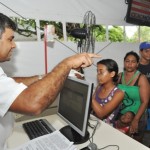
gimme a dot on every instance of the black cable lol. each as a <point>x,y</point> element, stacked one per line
<point>16,12</point>
<point>94,127</point>
<point>104,47</point>
<point>65,45</point>
<point>110,146</point>
<point>12,10</point>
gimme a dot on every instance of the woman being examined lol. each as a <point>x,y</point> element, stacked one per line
<point>107,97</point>
<point>136,89</point>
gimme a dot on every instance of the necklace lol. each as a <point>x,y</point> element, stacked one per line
<point>131,79</point>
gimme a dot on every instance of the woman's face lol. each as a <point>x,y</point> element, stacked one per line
<point>103,75</point>
<point>130,63</point>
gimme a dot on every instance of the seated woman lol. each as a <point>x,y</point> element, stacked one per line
<point>107,97</point>
<point>124,122</point>
<point>136,89</point>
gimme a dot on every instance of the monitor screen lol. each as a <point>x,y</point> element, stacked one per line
<point>74,108</point>
<point>138,12</point>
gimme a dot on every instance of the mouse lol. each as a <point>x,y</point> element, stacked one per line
<point>92,146</point>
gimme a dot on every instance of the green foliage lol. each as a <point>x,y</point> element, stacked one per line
<point>144,35</point>
<point>25,27</point>
<point>100,33</point>
<point>116,34</point>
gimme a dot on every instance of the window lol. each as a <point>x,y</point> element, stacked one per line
<point>26,29</point>
<point>116,33</point>
<point>58,28</point>
<point>144,33</point>
<point>131,33</point>
<point>100,33</point>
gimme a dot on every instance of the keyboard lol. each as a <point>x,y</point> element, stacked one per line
<point>37,128</point>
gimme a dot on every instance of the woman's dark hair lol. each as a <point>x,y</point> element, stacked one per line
<point>133,54</point>
<point>111,65</point>
<point>6,22</point>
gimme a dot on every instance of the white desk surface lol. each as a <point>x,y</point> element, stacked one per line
<point>105,135</point>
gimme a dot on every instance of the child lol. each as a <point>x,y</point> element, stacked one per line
<point>124,121</point>
<point>107,97</point>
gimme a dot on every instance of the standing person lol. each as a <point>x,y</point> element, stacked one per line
<point>107,97</point>
<point>144,65</point>
<point>29,95</point>
<point>136,89</point>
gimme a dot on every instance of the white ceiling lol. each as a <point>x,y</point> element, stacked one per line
<point>106,11</point>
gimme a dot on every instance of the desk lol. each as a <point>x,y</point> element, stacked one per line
<point>105,135</point>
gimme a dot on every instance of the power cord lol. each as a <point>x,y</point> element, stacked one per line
<point>94,126</point>
<point>109,146</point>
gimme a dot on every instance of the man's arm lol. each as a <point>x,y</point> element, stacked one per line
<point>39,95</point>
<point>28,80</point>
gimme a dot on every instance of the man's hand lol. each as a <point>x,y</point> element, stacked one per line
<point>81,60</point>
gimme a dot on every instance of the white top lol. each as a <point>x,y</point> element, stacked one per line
<point>9,90</point>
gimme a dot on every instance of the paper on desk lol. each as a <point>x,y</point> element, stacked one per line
<point>53,141</point>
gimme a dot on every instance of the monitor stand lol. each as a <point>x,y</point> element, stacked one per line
<point>73,136</point>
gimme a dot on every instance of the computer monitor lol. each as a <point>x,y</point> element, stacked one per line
<point>74,107</point>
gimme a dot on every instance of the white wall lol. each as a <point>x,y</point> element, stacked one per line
<point>28,58</point>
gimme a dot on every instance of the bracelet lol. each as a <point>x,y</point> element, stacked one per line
<point>40,77</point>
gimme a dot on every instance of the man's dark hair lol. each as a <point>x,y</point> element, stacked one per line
<point>6,22</point>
